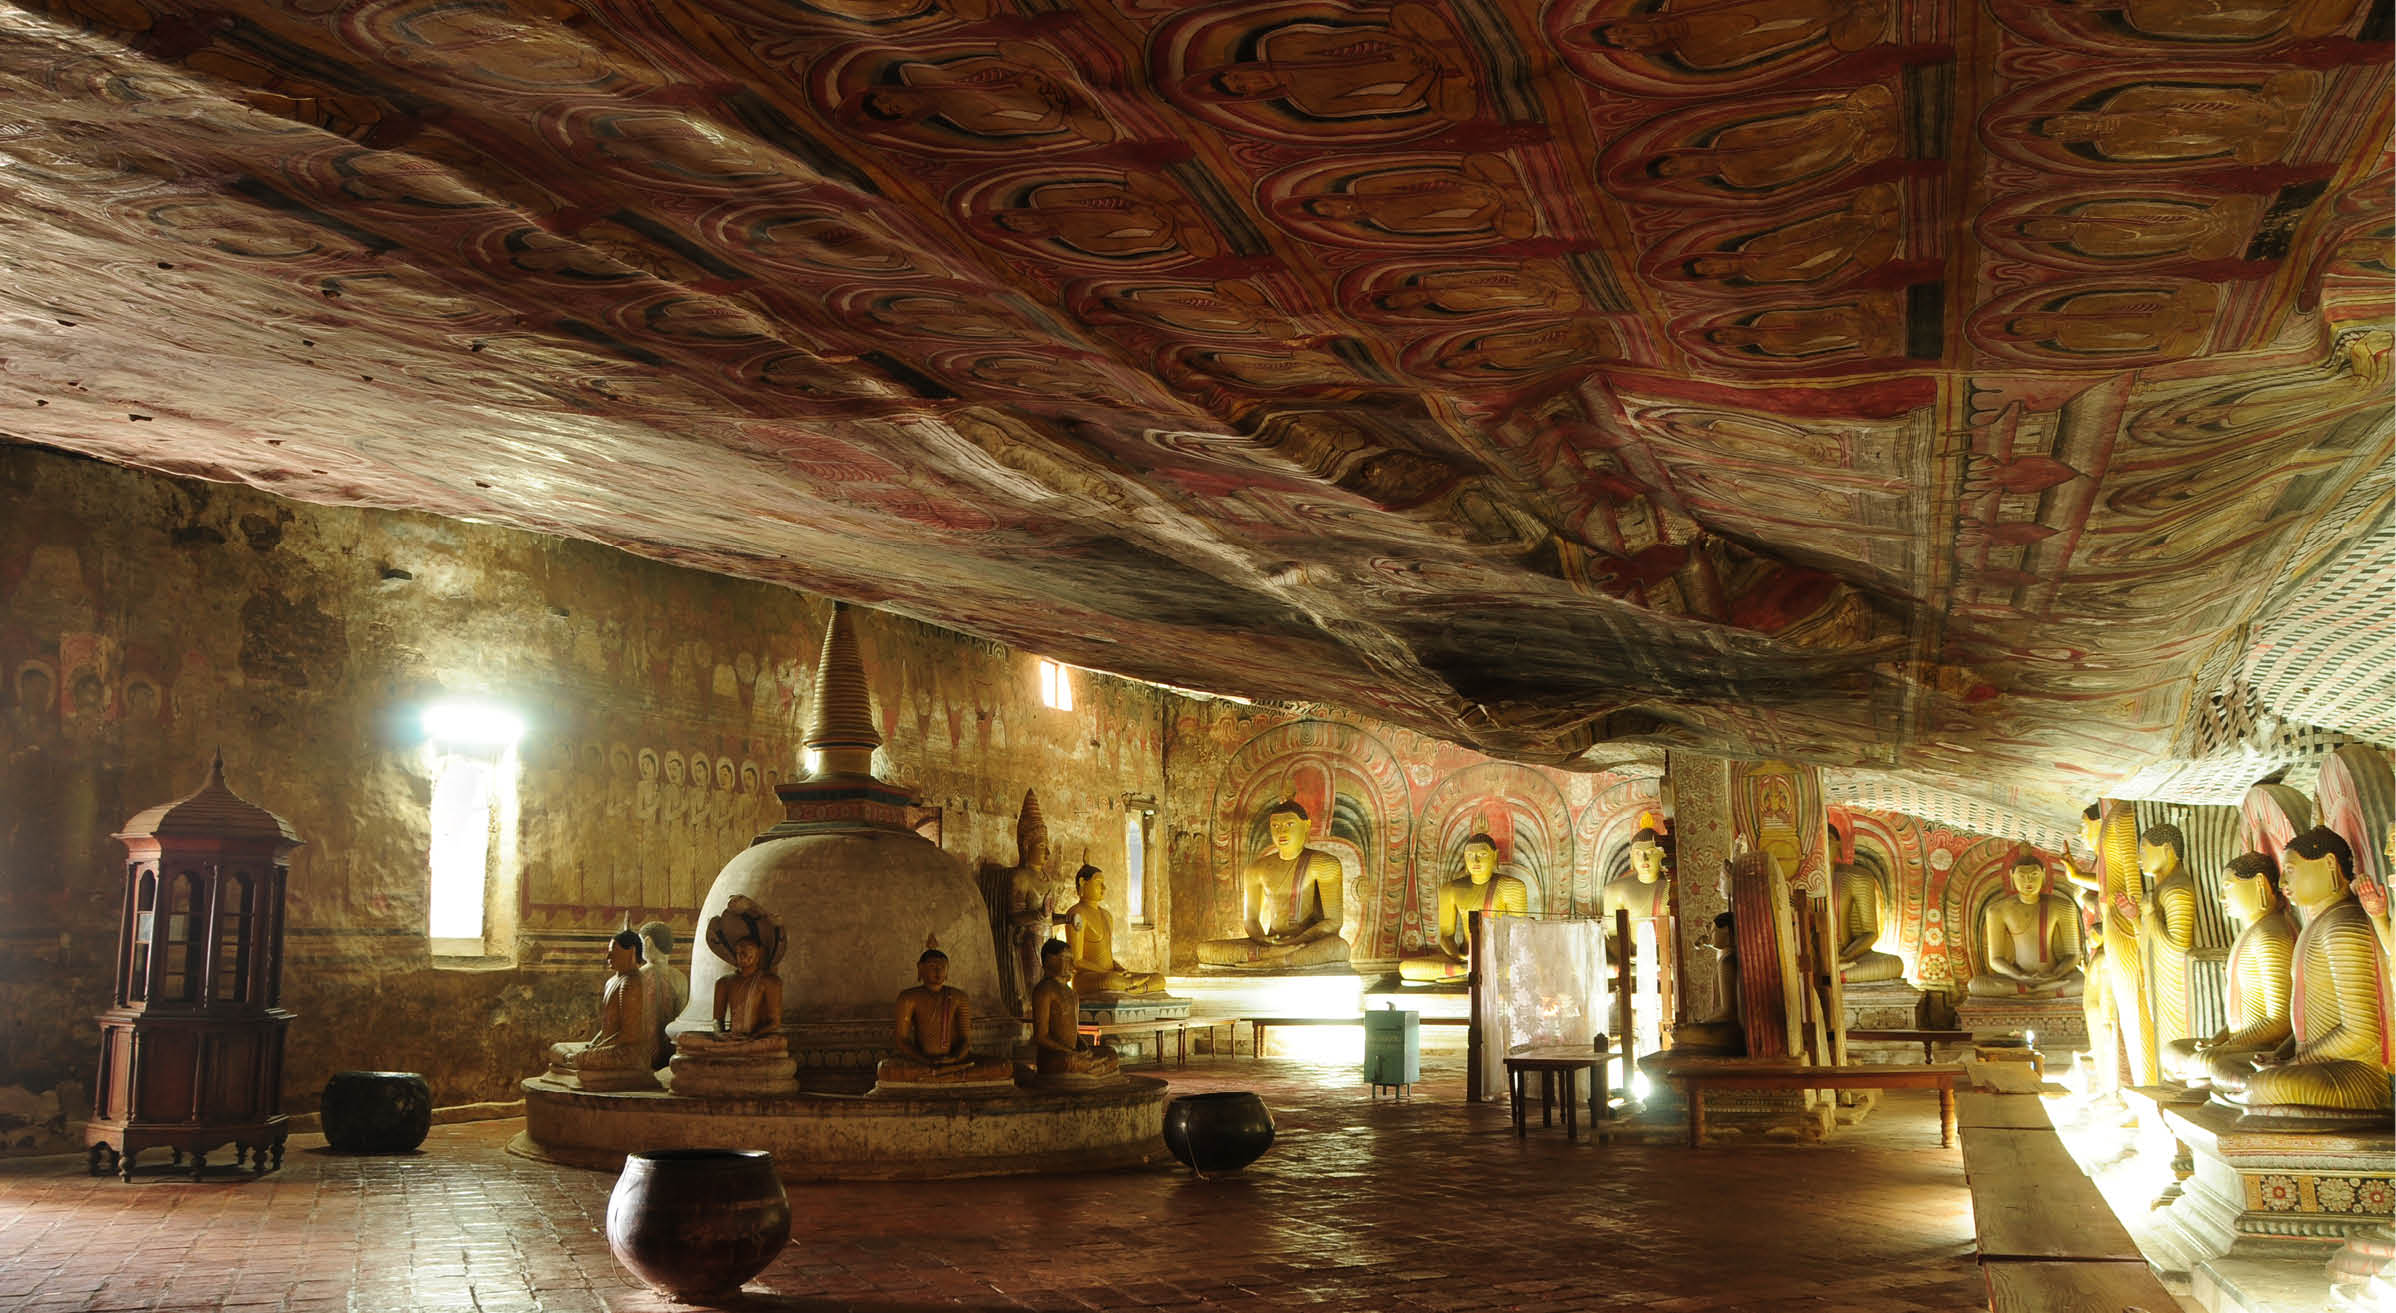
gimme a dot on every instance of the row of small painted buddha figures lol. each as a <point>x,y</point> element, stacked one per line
<point>932,1030</point>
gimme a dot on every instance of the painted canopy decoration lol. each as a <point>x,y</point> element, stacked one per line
<point>1932,391</point>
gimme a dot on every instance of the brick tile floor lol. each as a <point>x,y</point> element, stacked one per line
<point>1428,1205</point>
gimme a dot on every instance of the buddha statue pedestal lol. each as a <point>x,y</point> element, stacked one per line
<point>903,1078</point>
<point>704,1068</point>
<point>2273,1194</point>
<point>2059,1022</point>
<point>603,1069</point>
<point>1109,1008</point>
<point>1883,1005</point>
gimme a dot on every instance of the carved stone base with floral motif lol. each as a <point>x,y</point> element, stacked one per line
<point>2278,1193</point>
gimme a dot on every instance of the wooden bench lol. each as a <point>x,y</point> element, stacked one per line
<point>1179,1026</point>
<point>1696,1080</point>
<point>1259,1024</point>
<point>2048,1240</point>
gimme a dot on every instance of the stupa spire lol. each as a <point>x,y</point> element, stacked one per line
<point>840,726</point>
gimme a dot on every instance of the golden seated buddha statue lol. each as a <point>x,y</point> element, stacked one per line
<point>2336,1066</point>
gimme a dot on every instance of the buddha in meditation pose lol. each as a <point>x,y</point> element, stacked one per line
<point>620,1056</point>
<point>668,990</point>
<point>2029,942</point>
<point>1643,891</point>
<point>1059,1050</point>
<point>745,1051</point>
<point>2337,1066</point>
<point>2167,920</point>
<point>933,1033</point>
<point>1480,889</point>
<point>1289,903</point>
<point>1859,930</point>
<point>2258,982</point>
<point>1090,932</point>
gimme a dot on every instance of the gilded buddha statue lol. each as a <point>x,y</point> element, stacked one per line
<point>2029,940</point>
<point>1289,903</point>
<point>2167,921</point>
<point>2258,982</point>
<point>1090,933</point>
<point>622,1055</point>
<point>2336,1067</point>
<point>1642,891</point>
<point>1448,957</point>
<point>1060,1054</point>
<point>932,1032</point>
<point>1860,960</point>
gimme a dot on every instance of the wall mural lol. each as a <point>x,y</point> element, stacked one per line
<point>1301,348</point>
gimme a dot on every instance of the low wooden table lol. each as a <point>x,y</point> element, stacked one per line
<point>1258,1025</point>
<point>1567,1063</point>
<point>1178,1026</point>
<point>1695,1081</point>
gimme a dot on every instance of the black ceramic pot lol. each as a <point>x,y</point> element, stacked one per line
<point>1219,1132</point>
<point>376,1111</point>
<point>696,1223</point>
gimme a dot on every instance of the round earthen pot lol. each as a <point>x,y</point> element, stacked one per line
<point>376,1111</point>
<point>696,1223</point>
<point>1218,1132</point>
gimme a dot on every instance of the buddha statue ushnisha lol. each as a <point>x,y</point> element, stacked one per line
<point>2167,922</point>
<point>2335,1069</point>
<point>1090,933</point>
<point>1480,888</point>
<point>932,1033</point>
<point>1061,1055</point>
<point>1860,960</point>
<point>2029,940</point>
<point>2258,982</point>
<point>1289,903</point>
<point>621,1056</point>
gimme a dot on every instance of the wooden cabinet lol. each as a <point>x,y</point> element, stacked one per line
<point>191,1047</point>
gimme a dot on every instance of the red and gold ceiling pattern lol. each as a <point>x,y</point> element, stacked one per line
<point>1920,387</point>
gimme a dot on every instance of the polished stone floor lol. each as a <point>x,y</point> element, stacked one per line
<point>1367,1206</point>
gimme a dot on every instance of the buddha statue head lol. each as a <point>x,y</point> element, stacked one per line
<point>624,952</point>
<point>2250,887</point>
<point>748,958</point>
<point>2160,851</point>
<point>1056,961</point>
<point>1287,822</point>
<point>2091,826</point>
<point>2028,878</point>
<point>931,969</point>
<point>1480,858</point>
<point>1089,884</point>
<point>1647,856</point>
<point>2316,867</point>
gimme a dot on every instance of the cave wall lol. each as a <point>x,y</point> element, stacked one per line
<point>1394,806</point>
<point>147,621</point>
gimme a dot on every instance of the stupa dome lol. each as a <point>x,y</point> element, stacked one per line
<point>858,891</point>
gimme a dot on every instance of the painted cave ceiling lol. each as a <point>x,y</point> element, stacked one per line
<point>1934,391</point>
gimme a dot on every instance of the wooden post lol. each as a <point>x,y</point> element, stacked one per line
<point>1835,1006</point>
<point>1626,980</point>
<point>1472,1032</point>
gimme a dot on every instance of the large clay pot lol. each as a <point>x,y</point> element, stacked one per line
<point>696,1223</point>
<point>376,1111</point>
<point>1218,1132</point>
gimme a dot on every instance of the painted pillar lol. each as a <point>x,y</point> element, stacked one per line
<point>1698,798</point>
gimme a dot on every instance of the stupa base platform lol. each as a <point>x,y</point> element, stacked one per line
<point>816,1137</point>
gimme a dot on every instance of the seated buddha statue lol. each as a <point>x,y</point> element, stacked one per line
<point>2258,982</point>
<point>2029,941</point>
<point>1448,957</point>
<point>744,1051</point>
<point>933,1036</point>
<point>1642,891</point>
<point>1719,1031</point>
<point>2167,922</point>
<point>1289,904</point>
<point>620,1056</point>
<point>1090,932</point>
<point>1061,1055</point>
<point>667,989</point>
<point>2336,1066</point>
<point>1860,962</point>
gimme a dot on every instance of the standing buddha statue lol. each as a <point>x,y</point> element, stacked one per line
<point>2337,1071</point>
<point>2112,834</point>
<point>2167,921</point>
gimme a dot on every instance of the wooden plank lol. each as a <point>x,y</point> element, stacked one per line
<point>2029,1200</point>
<point>1909,1079</point>
<point>2002,1111</point>
<point>2094,1287</point>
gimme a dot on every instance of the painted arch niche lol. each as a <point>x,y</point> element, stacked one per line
<point>1354,790</point>
<point>1520,808</point>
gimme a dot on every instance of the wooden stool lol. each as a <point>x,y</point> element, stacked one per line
<point>1550,1064</point>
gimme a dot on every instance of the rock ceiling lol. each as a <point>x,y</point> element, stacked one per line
<point>1929,390</point>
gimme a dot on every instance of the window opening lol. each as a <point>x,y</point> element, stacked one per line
<point>1056,685</point>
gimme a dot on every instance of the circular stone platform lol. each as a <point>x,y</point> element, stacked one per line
<point>820,1137</point>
